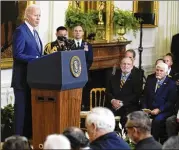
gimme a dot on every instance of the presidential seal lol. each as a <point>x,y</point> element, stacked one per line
<point>75,66</point>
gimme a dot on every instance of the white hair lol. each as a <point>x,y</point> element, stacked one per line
<point>163,66</point>
<point>29,9</point>
<point>57,141</point>
<point>102,117</point>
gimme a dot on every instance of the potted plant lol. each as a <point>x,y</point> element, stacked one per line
<point>75,16</point>
<point>124,21</point>
<point>7,119</point>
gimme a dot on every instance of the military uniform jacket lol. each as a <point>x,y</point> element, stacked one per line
<point>52,47</point>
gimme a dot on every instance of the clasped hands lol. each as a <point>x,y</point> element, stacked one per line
<point>116,104</point>
<point>155,111</point>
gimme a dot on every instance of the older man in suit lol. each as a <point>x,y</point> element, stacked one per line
<point>123,90</point>
<point>27,46</point>
<point>159,98</point>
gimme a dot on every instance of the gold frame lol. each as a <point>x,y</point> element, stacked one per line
<point>109,13</point>
<point>7,63</point>
<point>155,10</point>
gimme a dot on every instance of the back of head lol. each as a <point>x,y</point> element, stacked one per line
<point>56,141</point>
<point>102,117</point>
<point>16,143</point>
<point>140,120</point>
<point>76,137</point>
<point>172,143</point>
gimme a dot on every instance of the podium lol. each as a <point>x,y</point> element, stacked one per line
<point>56,82</point>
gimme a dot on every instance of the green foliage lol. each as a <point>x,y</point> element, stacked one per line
<point>7,115</point>
<point>74,17</point>
<point>125,18</point>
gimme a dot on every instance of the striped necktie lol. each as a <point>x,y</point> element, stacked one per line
<point>122,81</point>
<point>37,40</point>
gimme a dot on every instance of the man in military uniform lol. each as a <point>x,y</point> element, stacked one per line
<point>57,45</point>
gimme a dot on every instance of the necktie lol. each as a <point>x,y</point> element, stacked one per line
<point>122,81</point>
<point>78,44</point>
<point>158,85</point>
<point>37,39</point>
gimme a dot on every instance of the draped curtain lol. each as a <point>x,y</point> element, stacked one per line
<point>168,26</point>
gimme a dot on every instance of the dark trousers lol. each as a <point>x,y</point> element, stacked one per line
<point>158,125</point>
<point>172,126</point>
<point>22,112</point>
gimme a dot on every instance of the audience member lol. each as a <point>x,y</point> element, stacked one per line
<point>171,143</point>
<point>168,59</point>
<point>16,143</point>
<point>159,97</point>
<point>100,124</point>
<point>57,45</point>
<point>172,123</point>
<point>138,128</point>
<point>175,51</point>
<point>77,138</point>
<point>159,61</point>
<point>123,90</point>
<point>57,141</point>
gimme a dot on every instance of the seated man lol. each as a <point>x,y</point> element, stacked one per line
<point>16,143</point>
<point>100,124</point>
<point>172,123</point>
<point>57,45</point>
<point>76,137</point>
<point>123,90</point>
<point>56,141</point>
<point>138,128</point>
<point>159,98</point>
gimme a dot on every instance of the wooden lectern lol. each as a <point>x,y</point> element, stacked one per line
<point>56,81</point>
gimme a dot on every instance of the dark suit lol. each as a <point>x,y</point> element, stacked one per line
<point>88,54</point>
<point>175,51</point>
<point>164,99</point>
<point>25,49</point>
<point>129,93</point>
<point>109,141</point>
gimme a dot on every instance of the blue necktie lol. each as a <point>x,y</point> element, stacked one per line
<point>37,40</point>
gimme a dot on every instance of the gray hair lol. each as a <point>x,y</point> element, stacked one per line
<point>140,120</point>
<point>57,141</point>
<point>172,143</point>
<point>102,117</point>
<point>163,66</point>
<point>29,9</point>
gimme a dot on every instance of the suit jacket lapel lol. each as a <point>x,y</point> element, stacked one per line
<point>153,85</point>
<point>33,39</point>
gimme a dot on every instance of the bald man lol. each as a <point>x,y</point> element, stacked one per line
<point>26,47</point>
<point>123,90</point>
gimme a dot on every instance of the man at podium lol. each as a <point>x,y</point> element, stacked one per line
<point>26,47</point>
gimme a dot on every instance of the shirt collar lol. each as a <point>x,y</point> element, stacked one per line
<point>30,27</point>
<point>169,71</point>
<point>76,41</point>
<point>161,81</point>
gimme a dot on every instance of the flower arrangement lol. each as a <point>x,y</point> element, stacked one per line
<point>123,135</point>
<point>126,19</point>
<point>75,16</point>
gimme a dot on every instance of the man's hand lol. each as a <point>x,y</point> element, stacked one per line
<point>115,103</point>
<point>155,111</point>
